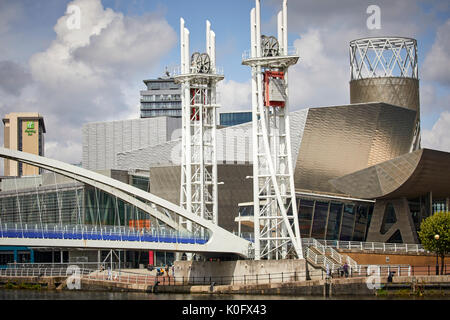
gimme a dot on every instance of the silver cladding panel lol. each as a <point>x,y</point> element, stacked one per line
<point>234,146</point>
<point>103,140</point>
<point>327,143</point>
<point>343,139</point>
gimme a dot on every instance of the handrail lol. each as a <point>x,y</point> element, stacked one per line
<point>328,250</point>
<point>56,231</point>
<point>170,279</point>
<point>292,51</point>
<point>374,246</point>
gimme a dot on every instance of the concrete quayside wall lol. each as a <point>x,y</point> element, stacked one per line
<point>226,272</point>
<point>326,287</point>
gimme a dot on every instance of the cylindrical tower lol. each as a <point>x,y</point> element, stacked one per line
<point>384,69</point>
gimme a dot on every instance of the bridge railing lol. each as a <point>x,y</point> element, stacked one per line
<point>56,265</point>
<point>86,232</point>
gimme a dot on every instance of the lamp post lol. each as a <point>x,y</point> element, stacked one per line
<point>436,237</point>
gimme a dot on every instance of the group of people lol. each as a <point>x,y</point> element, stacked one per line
<point>162,271</point>
<point>344,270</point>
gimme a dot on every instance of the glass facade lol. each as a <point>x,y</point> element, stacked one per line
<point>330,219</point>
<point>234,118</point>
<point>74,205</point>
<point>334,221</point>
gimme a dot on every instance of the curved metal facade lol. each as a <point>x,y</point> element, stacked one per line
<point>403,92</point>
<point>407,189</point>
<point>410,175</point>
<point>340,140</point>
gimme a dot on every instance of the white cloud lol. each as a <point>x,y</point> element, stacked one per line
<point>325,29</point>
<point>439,136</point>
<point>235,96</point>
<point>318,79</point>
<point>436,65</point>
<point>91,74</point>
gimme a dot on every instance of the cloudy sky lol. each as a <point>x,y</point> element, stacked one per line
<point>94,73</point>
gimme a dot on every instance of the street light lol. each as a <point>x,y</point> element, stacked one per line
<point>436,237</point>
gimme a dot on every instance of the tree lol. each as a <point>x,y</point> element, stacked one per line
<point>439,223</point>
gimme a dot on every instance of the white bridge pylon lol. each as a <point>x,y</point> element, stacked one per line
<point>220,241</point>
<point>198,77</point>
<point>276,226</point>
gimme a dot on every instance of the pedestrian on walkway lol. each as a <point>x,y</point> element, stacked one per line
<point>346,269</point>
<point>167,270</point>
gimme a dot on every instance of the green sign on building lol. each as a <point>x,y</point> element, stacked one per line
<point>30,128</point>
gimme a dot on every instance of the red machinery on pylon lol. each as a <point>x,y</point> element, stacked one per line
<point>274,89</point>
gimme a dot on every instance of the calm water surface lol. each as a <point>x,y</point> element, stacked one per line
<point>14,294</point>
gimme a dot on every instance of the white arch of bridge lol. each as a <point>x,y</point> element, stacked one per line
<point>220,239</point>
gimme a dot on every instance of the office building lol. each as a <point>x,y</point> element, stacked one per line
<point>162,98</point>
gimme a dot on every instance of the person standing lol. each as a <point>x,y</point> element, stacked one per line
<point>346,269</point>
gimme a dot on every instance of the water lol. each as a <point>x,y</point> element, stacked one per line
<point>17,294</point>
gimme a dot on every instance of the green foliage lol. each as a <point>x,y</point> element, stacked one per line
<point>9,285</point>
<point>439,223</point>
<point>381,293</point>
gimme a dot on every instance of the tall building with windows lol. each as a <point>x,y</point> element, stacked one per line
<point>23,131</point>
<point>162,98</point>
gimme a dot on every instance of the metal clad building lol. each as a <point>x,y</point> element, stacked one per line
<point>103,140</point>
<point>342,139</point>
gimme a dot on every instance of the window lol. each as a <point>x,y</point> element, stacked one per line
<point>305,212</point>
<point>235,118</point>
<point>334,221</point>
<point>320,220</point>
<point>348,219</point>
<point>246,211</point>
<point>360,223</point>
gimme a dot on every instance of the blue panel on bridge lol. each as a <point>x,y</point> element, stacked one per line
<point>99,235</point>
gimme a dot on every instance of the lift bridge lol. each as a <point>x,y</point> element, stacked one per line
<point>34,230</point>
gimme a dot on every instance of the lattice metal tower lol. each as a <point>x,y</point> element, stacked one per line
<point>276,227</point>
<point>198,77</point>
<point>385,69</point>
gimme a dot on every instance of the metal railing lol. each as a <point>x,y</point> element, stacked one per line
<point>36,272</point>
<point>326,250</point>
<point>216,71</point>
<point>320,260</point>
<point>86,232</point>
<point>56,265</point>
<point>292,51</point>
<point>126,277</point>
<point>374,246</point>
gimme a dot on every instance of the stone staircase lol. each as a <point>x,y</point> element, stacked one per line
<point>325,257</point>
